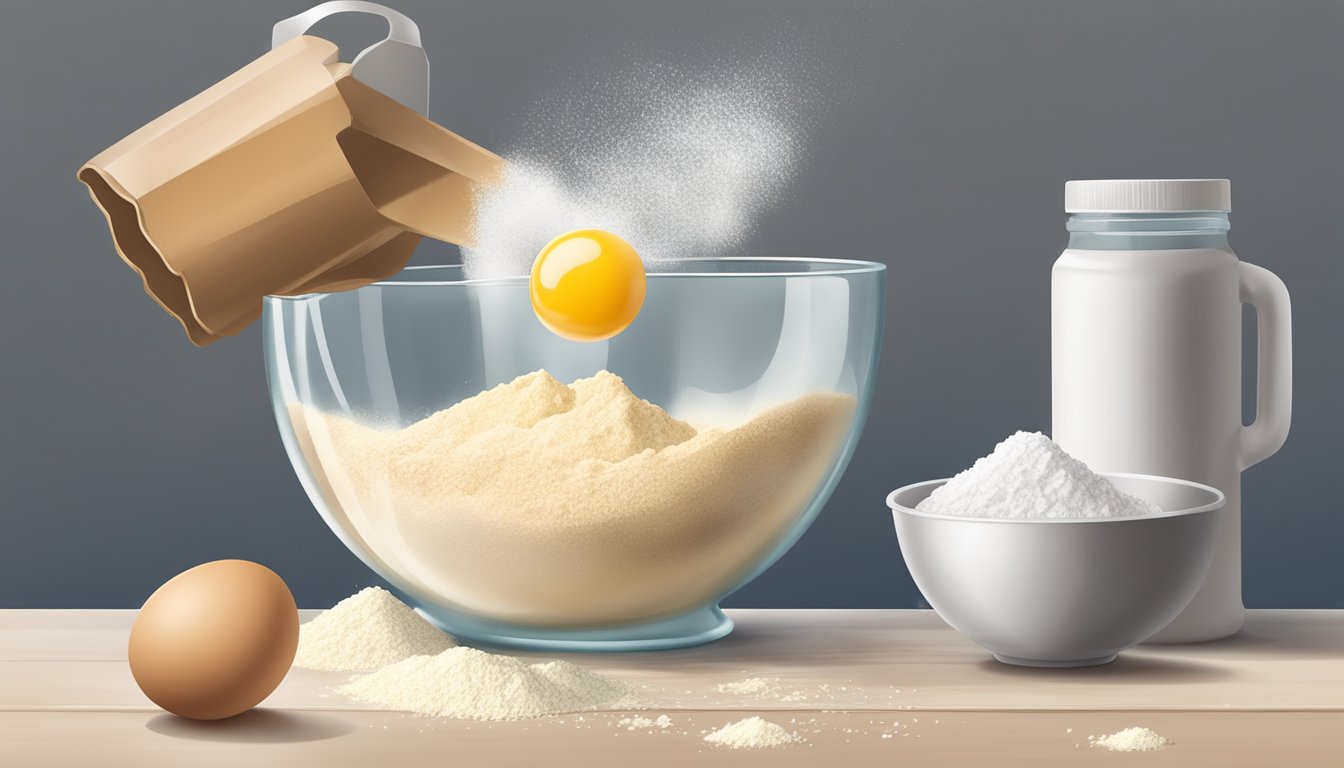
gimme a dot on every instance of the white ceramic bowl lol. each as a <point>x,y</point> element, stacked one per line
<point>1062,592</point>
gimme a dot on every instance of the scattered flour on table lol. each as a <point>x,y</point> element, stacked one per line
<point>772,689</point>
<point>1030,476</point>
<point>368,630</point>
<point>470,684</point>
<point>752,686</point>
<point>1130,740</point>
<point>642,723</point>
<point>752,733</point>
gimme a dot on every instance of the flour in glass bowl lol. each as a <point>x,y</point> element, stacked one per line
<point>545,502</point>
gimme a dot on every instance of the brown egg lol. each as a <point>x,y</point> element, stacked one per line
<point>215,640</point>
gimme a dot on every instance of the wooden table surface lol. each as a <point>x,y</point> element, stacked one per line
<point>868,687</point>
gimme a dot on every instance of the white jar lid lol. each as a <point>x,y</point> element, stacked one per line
<point>1147,195</point>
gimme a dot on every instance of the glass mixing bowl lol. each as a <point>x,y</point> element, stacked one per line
<point>540,515</point>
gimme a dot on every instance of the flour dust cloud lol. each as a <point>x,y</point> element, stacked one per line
<point>678,166</point>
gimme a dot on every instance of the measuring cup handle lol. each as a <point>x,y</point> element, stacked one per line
<point>396,65</point>
<point>399,25</point>
<point>1264,290</point>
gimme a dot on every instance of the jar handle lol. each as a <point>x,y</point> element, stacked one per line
<point>1264,290</point>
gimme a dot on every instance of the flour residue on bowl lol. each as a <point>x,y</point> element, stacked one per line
<point>546,503</point>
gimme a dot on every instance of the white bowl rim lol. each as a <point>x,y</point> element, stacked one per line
<point>836,267</point>
<point>1220,499</point>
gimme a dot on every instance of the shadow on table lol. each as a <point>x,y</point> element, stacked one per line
<point>1312,634</point>
<point>853,637</point>
<point>779,642</point>
<point>1130,669</point>
<point>257,726</point>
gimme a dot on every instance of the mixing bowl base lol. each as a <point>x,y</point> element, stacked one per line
<point>700,626</point>
<point>1098,661</point>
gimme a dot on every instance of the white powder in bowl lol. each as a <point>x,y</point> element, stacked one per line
<point>1130,740</point>
<point>1029,476</point>
<point>471,684</point>
<point>367,630</point>
<point>752,733</point>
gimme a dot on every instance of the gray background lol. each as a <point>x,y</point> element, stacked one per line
<point>944,138</point>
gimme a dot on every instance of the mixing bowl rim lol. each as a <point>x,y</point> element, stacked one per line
<point>1218,502</point>
<point>836,267</point>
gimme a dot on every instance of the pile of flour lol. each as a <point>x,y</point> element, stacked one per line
<point>542,502</point>
<point>472,684</point>
<point>1029,476</point>
<point>367,630</point>
<point>1130,740</point>
<point>752,733</point>
<point>677,166</point>
<point>419,669</point>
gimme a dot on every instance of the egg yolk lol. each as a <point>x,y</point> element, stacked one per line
<point>587,285</point>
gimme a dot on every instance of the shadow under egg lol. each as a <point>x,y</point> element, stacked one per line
<point>255,726</point>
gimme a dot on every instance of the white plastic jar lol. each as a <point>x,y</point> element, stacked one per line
<point>1146,308</point>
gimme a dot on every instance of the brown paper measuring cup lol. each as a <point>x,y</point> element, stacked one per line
<point>288,176</point>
